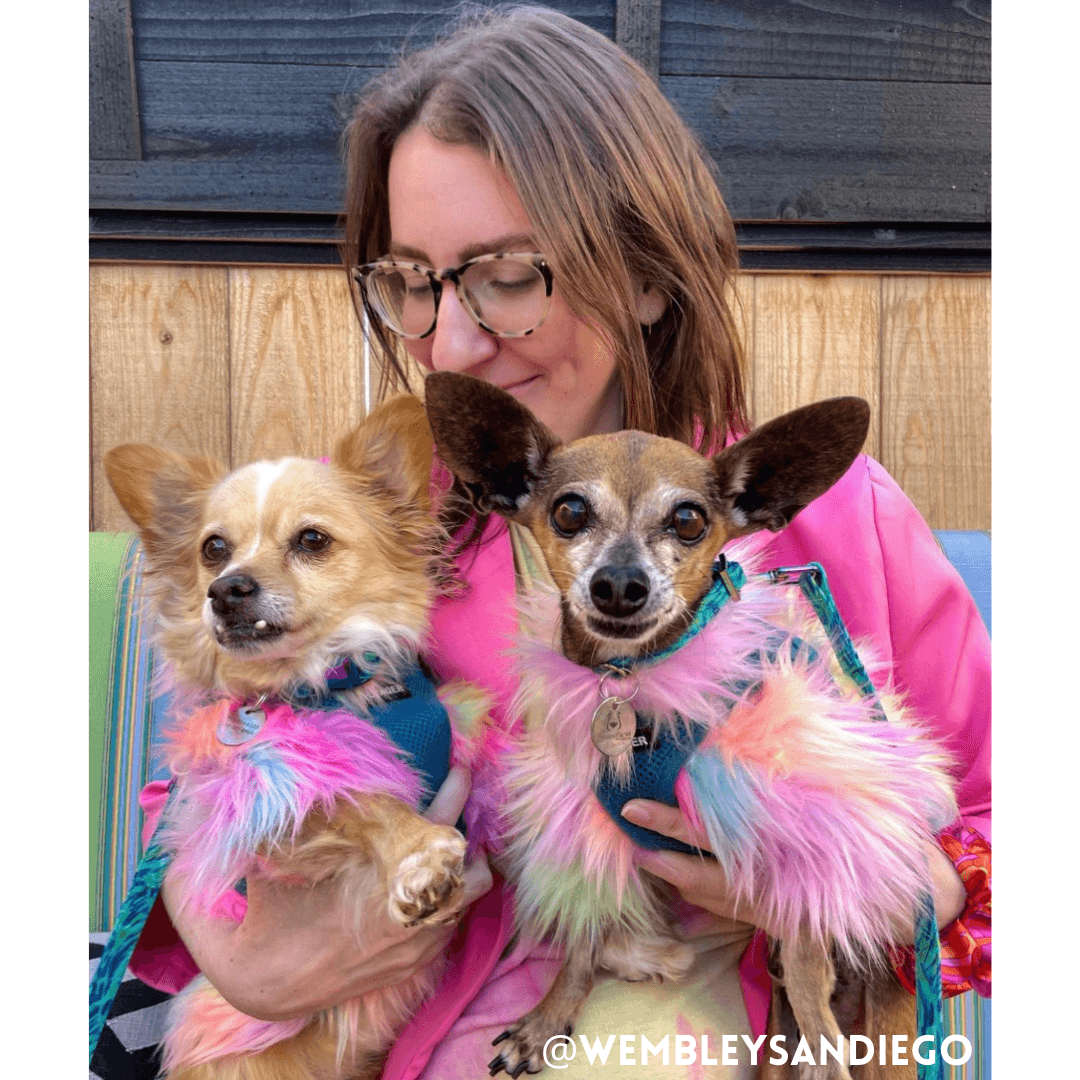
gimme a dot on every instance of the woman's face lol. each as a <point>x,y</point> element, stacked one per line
<point>449,204</point>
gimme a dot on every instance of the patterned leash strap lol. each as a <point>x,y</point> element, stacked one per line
<point>814,585</point>
<point>130,921</point>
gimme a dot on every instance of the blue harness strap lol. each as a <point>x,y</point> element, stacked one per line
<point>410,713</point>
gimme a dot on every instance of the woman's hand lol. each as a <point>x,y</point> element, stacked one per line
<point>292,953</point>
<point>702,882</point>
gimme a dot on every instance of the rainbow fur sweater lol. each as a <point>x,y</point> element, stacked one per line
<point>817,810</point>
<point>235,804</point>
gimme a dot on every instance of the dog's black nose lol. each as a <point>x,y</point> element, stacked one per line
<point>619,590</point>
<point>229,592</point>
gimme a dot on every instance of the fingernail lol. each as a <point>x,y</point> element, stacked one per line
<point>636,812</point>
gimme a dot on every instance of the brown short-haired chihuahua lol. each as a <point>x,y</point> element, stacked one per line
<point>630,526</point>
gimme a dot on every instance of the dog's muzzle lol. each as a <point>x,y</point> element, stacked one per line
<point>619,591</point>
<point>237,603</point>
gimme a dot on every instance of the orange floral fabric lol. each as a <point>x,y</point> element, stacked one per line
<point>965,943</point>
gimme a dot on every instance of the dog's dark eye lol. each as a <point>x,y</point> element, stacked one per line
<point>312,540</point>
<point>569,514</point>
<point>215,550</point>
<point>688,523</point>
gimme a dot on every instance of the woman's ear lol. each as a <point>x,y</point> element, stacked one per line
<point>650,301</point>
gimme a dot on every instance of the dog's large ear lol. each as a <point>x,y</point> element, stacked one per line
<point>766,478</point>
<point>392,449</point>
<point>162,491</point>
<point>488,439</point>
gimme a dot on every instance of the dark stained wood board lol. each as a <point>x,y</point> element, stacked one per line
<point>265,137</point>
<point>924,41</point>
<point>931,40</point>
<point>114,99</point>
<point>304,32</point>
<point>844,150</point>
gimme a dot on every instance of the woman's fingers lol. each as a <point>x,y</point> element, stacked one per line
<point>445,809</point>
<point>449,801</point>
<point>668,820</point>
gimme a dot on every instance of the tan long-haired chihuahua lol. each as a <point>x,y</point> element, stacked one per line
<point>291,599</point>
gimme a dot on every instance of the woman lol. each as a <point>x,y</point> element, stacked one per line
<point>527,134</point>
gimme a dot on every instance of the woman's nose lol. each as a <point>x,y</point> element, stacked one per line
<point>458,343</point>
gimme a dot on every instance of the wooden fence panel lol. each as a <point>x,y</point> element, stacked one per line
<point>297,371</point>
<point>159,366</point>
<point>936,395</point>
<point>816,336</point>
<point>934,40</point>
<point>243,363</point>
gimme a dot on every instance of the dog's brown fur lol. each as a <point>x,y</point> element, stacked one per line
<point>371,505</point>
<point>633,484</point>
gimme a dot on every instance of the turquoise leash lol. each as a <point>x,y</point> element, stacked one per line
<point>728,579</point>
<point>814,585</point>
<point>150,873</point>
<point>130,920</point>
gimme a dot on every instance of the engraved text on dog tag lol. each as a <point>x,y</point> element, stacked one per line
<point>613,726</point>
<point>239,725</point>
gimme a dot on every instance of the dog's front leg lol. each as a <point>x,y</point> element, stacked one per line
<point>521,1047</point>
<point>379,842</point>
<point>809,980</point>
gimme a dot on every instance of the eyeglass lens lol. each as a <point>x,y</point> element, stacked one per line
<point>508,295</point>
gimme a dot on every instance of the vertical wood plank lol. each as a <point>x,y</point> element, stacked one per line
<point>742,300</point>
<point>297,361</point>
<point>936,395</point>
<point>115,131</point>
<point>816,336</point>
<point>637,30</point>
<point>158,366</point>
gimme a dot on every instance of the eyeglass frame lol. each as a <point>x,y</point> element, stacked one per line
<point>436,279</point>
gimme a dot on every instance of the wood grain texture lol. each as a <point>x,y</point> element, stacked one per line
<point>159,366</point>
<point>637,30</point>
<point>297,362</point>
<point>816,336</point>
<point>936,395</point>
<point>935,40</point>
<point>932,41</point>
<point>843,150</point>
<point>742,301</point>
<point>265,137</point>
<point>263,362</point>
<point>114,95</point>
<point>299,31</point>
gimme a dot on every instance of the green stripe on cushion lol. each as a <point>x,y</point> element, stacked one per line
<point>108,553</point>
<point>120,720</point>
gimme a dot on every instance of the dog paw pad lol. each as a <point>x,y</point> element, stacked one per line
<point>428,885</point>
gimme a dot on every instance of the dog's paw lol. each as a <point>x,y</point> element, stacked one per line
<point>639,959</point>
<point>521,1047</point>
<point>428,885</point>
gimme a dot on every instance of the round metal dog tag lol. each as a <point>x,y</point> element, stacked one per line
<point>239,725</point>
<point>613,726</point>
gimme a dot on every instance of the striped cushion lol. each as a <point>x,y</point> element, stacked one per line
<point>123,712</point>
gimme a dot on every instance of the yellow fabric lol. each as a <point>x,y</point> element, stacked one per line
<point>707,1005</point>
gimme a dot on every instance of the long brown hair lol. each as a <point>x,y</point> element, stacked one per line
<point>616,187</point>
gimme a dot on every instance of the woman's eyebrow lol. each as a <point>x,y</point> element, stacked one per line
<point>513,242</point>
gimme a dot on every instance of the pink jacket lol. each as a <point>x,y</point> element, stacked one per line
<point>891,584</point>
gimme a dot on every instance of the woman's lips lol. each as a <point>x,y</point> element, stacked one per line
<point>514,387</point>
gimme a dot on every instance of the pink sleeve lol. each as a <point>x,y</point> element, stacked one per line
<point>160,959</point>
<point>894,586</point>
